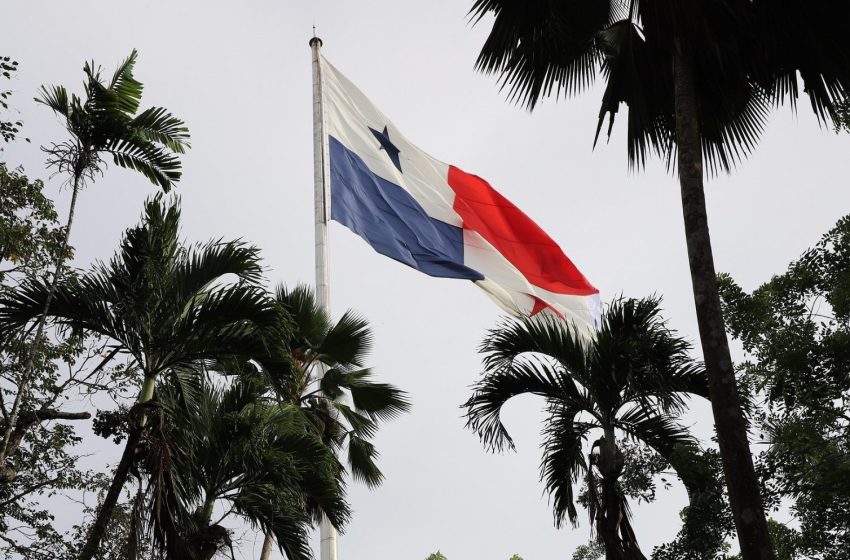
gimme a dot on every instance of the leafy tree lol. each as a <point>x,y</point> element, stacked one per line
<point>795,329</point>
<point>633,379</point>
<point>65,371</point>
<point>515,557</point>
<point>167,307</point>
<point>30,236</point>
<point>436,556</point>
<point>699,79</point>
<point>244,450</point>
<point>707,520</point>
<point>594,550</point>
<point>105,122</point>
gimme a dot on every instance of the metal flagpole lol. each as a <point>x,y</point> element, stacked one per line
<point>327,532</point>
<point>321,199</point>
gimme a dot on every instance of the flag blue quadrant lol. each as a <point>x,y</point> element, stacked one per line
<point>391,221</point>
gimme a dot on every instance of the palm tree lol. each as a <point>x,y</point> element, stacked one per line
<point>698,78</point>
<point>246,450</point>
<point>631,381</point>
<point>168,306</point>
<point>332,388</point>
<point>106,122</point>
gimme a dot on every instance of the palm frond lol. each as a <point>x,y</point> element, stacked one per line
<point>310,321</point>
<point>157,125</point>
<point>633,78</point>
<point>279,513</point>
<point>811,39</point>
<point>81,305</point>
<point>563,462</point>
<point>380,400</point>
<point>484,407</point>
<point>542,48</point>
<point>545,335</point>
<point>362,457</point>
<point>204,265</point>
<point>127,90</point>
<point>347,342</point>
<point>158,164</point>
<point>659,431</point>
<point>361,425</point>
<point>55,97</point>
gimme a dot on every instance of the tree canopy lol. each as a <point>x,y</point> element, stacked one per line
<point>795,329</point>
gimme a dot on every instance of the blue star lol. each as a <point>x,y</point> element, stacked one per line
<point>388,146</point>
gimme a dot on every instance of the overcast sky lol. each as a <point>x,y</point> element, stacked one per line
<point>239,74</point>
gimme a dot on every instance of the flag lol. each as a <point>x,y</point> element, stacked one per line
<point>439,219</point>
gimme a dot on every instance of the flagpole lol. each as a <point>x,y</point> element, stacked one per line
<point>322,205</point>
<point>327,532</point>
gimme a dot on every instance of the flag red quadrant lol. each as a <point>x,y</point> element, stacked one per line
<point>522,242</point>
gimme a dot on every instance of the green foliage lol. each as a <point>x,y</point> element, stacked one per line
<point>796,332</point>
<point>8,129</point>
<point>30,236</point>
<point>707,520</point>
<point>594,550</point>
<point>162,305</point>
<point>642,467</point>
<point>332,388</point>
<point>43,452</point>
<point>242,450</point>
<point>436,556</point>
<point>162,302</point>
<point>634,378</point>
<point>515,557</point>
<point>107,121</point>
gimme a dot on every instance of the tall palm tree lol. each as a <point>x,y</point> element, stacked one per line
<point>243,449</point>
<point>105,123</point>
<point>168,306</point>
<point>333,388</point>
<point>631,381</point>
<point>698,78</point>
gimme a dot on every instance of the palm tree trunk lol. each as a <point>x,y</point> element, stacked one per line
<point>610,466</point>
<point>613,546</point>
<point>266,553</point>
<point>39,335</point>
<point>731,426</point>
<point>104,513</point>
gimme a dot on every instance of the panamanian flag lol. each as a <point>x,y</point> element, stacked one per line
<point>439,219</point>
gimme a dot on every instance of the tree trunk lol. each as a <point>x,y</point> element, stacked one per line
<point>613,545</point>
<point>729,420</point>
<point>39,335</point>
<point>104,513</point>
<point>610,465</point>
<point>266,553</point>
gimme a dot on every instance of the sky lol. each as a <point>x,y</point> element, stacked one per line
<point>239,74</point>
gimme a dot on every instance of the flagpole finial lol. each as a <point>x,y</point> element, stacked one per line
<point>315,39</point>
